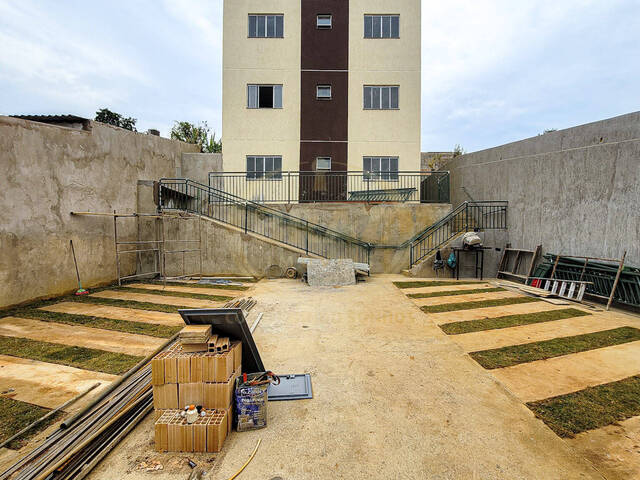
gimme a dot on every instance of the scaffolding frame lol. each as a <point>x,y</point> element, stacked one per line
<point>158,246</point>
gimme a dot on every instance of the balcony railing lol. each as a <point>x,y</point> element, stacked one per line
<point>319,186</point>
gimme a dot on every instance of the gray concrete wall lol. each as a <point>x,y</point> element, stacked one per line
<point>575,191</point>
<point>49,171</point>
<point>228,251</point>
<point>196,166</point>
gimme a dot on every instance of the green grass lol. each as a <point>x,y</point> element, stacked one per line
<point>126,326</point>
<point>497,302</point>
<point>432,283</point>
<point>116,302</point>
<point>167,293</point>
<point>72,356</point>
<point>594,407</point>
<point>16,415</point>
<point>456,328</point>
<point>204,286</point>
<point>450,293</point>
<point>530,352</point>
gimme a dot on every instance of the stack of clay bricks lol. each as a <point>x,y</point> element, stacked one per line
<point>204,379</point>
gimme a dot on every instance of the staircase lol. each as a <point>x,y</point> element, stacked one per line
<point>311,239</point>
<point>252,218</point>
<point>468,216</point>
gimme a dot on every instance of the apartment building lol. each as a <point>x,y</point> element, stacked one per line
<point>321,86</point>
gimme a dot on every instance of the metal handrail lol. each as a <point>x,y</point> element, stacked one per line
<point>425,243</point>
<point>206,193</point>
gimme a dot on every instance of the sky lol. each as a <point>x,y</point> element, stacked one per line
<point>493,71</point>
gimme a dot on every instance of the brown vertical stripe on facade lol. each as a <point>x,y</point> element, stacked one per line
<point>325,49</point>
<point>324,119</point>
<point>324,123</point>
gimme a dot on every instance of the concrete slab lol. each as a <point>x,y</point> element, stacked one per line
<point>447,288</point>
<point>80,336</point>
<point>330,273</point>
<point>162,300</point>
<point>492,312</point>
<point>473,342</point>
<point>116,313</point>
<point>570,373</point>
<point>47,384</point>
<point>614,449</point>
<point>370,417</point>
<point>470,297</point>
<point>196,290</point>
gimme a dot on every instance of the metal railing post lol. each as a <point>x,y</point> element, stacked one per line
<point>246,217</point>
<point>307,247</point>
<point>289,187</point>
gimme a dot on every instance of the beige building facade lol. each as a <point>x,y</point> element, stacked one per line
<point>320,86</point>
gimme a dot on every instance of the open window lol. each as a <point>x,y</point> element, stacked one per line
<point>264,96</point>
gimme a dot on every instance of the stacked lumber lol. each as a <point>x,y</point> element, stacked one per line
<point>180,378</point>
<point>195,338</point>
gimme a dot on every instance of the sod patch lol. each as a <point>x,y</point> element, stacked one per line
<point>167,293</point>
<point>496,302</point>
<point>456,328</point>
<point>204,286</point>
<point>591,408</point>
<point>72,356</point>
<point>451,293</point>
<point>116,302</point>
<point>432,283</point>
<point>126,326</point>
<point>16,415</point>
<point>530,352</point>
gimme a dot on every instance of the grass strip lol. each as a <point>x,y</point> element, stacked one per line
<point>591,408</point>
<point>126,326</point>
<point>72,356</point>
<point>450,293</point>
<point>117,302</point>
<point>432,283</point>
<point>457,328</point>
<point>16,415</point>
<point>203,285</point>
<point>167,293</point>
<point>496,302</point>
<point>557,347</point>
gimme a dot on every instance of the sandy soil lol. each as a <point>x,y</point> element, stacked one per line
<point>161,299</point>
<point>47,384</point>
<point>198,290</point>
<point>492,312</point>
<point>570,373</point>
<point>117,313</point>
<point>80,336</point>
<point>535,332</point>
<point>393,398</point>
<point>469,297</point>
<point>447,288</point>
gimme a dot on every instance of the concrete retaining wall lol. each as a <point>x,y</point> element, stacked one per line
<point>49,171</point>
<point>575,191</point>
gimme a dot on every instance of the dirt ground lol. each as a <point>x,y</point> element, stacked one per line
<point>394,397</point>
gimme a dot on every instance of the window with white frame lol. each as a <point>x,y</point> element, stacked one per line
<point>267,167</point>
<point>323,92</point>
<point>381,97</point>
<point>266,26</point>
<point>323,163</point>
<point>264,96</point>
<point>323,21</point>
<point>382,26</point>
<point>380,168</point>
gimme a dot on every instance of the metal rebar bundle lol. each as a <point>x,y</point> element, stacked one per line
<point>87,437</point>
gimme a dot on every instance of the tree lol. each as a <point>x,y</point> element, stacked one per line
<point>458,150</point>
<point>104,115</point>
<point>198,135</point>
